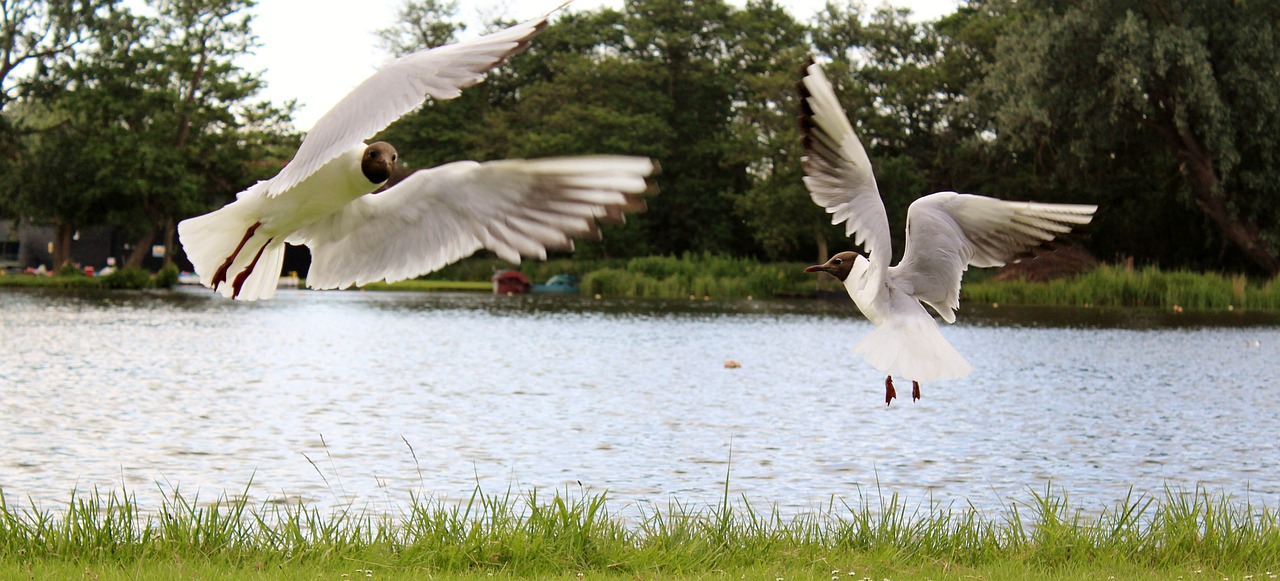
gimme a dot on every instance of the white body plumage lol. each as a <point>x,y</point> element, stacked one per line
<point>946,233</point>
<point>420,221</point>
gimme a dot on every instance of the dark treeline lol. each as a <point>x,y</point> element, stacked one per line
<point>1166,114</point>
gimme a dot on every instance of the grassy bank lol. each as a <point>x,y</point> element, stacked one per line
<point>125,278</point>
<point>719,277</point>
<point>571,535</point>
<point>423,285</point>
<point>722,277</point>
<point>1119,286</point>
<point>666,277</point>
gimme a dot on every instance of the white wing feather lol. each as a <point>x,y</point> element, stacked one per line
<point>434,217</point>
<point>439,73</point>
<point>948,232</point>
<point>838,172</point>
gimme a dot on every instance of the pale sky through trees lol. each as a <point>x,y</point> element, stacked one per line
<point>316,51</point>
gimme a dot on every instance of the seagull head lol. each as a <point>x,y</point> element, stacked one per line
<point>839,266</point>
<point>378,162</point>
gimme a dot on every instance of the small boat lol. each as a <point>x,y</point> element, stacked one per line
<point>510,282</point>
<point>559,284</point>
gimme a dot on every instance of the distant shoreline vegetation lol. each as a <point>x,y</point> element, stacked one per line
<point>71,278</point>
<point>534,534</point>
<point>709,276</point>
<point>1122,286</point>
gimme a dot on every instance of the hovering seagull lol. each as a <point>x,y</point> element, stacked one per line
<point>366,221</point>
<point>946,233</point>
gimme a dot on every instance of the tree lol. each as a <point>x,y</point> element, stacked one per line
<point>1184,87</point>
<point>151,120</point>
<point>34,36</point>
<point>36,33</point>
<point>769,52</point>
<point>421,24</point>
<point>888,73</point>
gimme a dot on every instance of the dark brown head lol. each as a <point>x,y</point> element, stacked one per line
<point>378,162</point>
<point>839,266</point>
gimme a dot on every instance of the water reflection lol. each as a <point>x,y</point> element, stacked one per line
<point>319,396</point>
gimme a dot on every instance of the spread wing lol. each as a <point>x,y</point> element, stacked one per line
<point>398,88</point>
<point>434,217</point>
<point>948,232</point>
<point>837,170</point>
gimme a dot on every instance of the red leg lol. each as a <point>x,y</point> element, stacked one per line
<point>221,276</point>
<point>889,393</point>
<point>915,390</point>
<point>244,274</point>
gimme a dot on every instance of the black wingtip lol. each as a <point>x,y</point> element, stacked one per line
<point>806,110</point>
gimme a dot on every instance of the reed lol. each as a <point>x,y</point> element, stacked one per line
<point>533,534</point>
<point>430,285</point>
<point>694,275</point>
<point>1121,286</point>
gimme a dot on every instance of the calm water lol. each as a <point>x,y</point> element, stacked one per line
<point>318,396</point>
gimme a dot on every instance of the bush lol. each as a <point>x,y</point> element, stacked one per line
<point>167,277</point>
<point>705,275</point>
<point>127,278</point>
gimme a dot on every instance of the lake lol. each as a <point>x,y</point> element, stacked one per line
<point>359,398</point>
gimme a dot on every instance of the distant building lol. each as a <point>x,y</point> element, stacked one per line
<point>27,245</point>
<point>30,246</point>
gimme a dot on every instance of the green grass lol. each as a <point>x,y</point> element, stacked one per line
<point>562,535</point>
<point>698,275</point>
<point>430,285</point>
<point>706,275</point>
<point>1119,286</point>
<point>723,277</point>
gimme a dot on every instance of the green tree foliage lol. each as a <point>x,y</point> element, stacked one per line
<point>34,34</point>
<point>887,71</point>
<point>768,51</point>
<point>149,123</point>
<point>1132,93</point>
<point>421,24</point>
<point>1164,113</point>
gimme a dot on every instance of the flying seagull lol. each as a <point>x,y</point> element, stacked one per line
<point>365,221</point>
<point>947,232</point>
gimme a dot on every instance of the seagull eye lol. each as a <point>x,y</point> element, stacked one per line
<point>839,261</point>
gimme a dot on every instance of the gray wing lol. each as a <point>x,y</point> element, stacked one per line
<point>398,88</point>
<point>948,232</point>
<point>434,217</point>
<point>838,172</point>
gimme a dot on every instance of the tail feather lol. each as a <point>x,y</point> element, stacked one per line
<point>229,255</point>
<point>912,348</point>
<point>260,278</point>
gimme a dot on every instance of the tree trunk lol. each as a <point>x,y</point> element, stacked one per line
<point>824,251</point>
<point>169,231</point>
<point>1197,166</point>
<point>62,245</point>
<point>141,248</point>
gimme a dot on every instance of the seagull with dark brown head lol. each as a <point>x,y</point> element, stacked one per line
<point>364,221</point>
<point>947,232</point>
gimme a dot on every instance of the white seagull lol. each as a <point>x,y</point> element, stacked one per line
<point>411,224</point>
<point>946,233</point>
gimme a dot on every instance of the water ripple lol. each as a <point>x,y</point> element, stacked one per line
<point>314,396</point>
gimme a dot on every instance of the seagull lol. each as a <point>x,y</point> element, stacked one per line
<point>364,219</point>
<point>947,232</point>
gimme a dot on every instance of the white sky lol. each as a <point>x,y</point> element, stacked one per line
<point>315,51</point>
